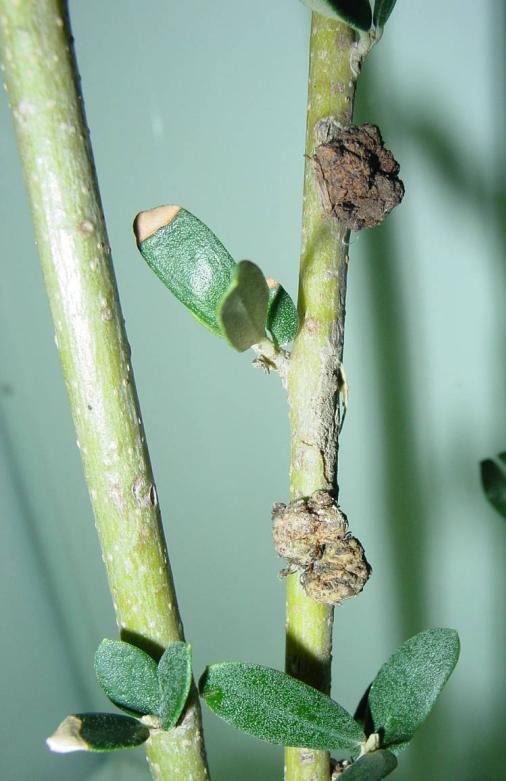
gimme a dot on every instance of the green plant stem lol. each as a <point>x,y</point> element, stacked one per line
<point>41,80</point>
<point>314,370</point>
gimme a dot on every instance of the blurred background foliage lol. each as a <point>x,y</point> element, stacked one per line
<point>203,104</point>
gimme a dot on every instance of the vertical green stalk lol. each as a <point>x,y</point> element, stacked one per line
<point>314,371</point>
<point>42,84</point>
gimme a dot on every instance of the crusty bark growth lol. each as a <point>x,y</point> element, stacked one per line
<point>357,176</point>
<point>313,535</point>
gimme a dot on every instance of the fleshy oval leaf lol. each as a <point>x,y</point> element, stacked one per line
<point>277,708</point>
<point>355,13</point>
<point>493,479</point>
<point>174,675</point>
<point>382,11</point>
<point>282,317</point>
<point>242,312</point>
<point>371,767</point>
<point>128,676</point>
<point>188,258</point>
<point>407,686</point>
<point>97,732</point>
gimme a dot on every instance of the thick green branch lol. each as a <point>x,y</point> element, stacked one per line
<point>314,371</point>
<point>41,81</point>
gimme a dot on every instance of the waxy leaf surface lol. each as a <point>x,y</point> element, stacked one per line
<point>407,686</point>
<point>277,708</point>
<point>356,13</point>
<point>97,732</point>
<point>371,767</point>
<point>128,676</point>
<point>243,310</point>
<point>174,675</point>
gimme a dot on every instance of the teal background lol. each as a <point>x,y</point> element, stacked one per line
<point>203,104</point>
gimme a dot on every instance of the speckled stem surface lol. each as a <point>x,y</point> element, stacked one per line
<point>313,375</point>
<point>41,81</point>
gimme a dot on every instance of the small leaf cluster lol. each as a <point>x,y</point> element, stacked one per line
<point>232,300</point>
<point>280,709</point>
<point>154,695</point>
<point>267,703</point>
<point>493,479</point>
<point>355,13</point>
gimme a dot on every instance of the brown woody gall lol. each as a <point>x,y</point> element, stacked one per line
<point>312,534</point>
<point>357,176</point>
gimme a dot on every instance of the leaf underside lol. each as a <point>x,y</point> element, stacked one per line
<point>282,317</point>
<point>362,714</point>
<point>382,11</point>
<point>371,767</point>
<point>407,686</point>
<point>128,676</point>
<point>277,708</point>
<point>493,478</point>
<point>356,13</point>
<point>175,675</point>
<point>242,312</point>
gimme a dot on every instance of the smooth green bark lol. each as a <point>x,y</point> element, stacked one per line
<point>41,81</point>
<point>314,369</point>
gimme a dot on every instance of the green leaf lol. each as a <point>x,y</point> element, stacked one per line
<point>493,479</point>
<point>407,686</point>
<point>396,748</point>
<point>174,675</point>
<point>382,10</point>
<point>243,310</point>
<point>128,676</point>
<point>371,767</point>
<point>356,13</point>
<point>188,258</point>
<point>277,708</point>
<point>282,317</point>
<point>97,732</point>
<point>362,714</point>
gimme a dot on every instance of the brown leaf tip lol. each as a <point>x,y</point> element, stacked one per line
<point>357,175</point>
<point>67,737</point>
<point>149,222</point>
